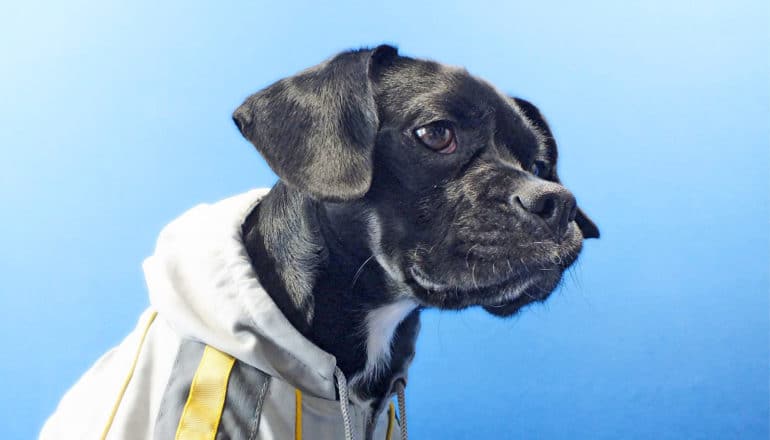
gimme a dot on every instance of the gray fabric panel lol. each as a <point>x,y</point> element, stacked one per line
<point>177,389</point>
<point>246,392</point>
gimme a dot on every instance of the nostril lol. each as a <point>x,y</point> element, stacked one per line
<point>547,207</point>
<point>573,213</point>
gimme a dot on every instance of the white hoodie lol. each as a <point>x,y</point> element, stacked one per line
<point>213,357</point>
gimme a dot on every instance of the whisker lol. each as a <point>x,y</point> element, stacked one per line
<point>468,256</point>
<point>360,269</point>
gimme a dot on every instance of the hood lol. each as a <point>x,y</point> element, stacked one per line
<point>201,282</point>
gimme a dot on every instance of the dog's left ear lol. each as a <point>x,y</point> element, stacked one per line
<point>317,129</point>
<point>586,225</point>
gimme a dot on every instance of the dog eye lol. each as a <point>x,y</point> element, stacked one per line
<point>540,169</point>
<point>438,137</point>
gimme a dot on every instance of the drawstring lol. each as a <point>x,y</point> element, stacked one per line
<point>342,386</point>
<point>402,408</point>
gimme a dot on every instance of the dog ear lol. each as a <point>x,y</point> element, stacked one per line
<point>317,129</point>
<point>587,227</point>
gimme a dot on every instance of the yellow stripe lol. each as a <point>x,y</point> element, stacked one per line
<point>203,410</point>
<point>391,420</point>
<point>297,414</point>
<point>128,377</point>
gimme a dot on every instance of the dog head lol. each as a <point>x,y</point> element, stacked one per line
<point>455,182</point>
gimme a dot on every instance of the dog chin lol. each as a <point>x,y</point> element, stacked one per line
<point>533,290</point>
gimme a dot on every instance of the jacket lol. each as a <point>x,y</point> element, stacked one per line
<point>213,357</point>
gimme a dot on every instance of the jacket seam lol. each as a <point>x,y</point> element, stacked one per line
<point>258,411</point>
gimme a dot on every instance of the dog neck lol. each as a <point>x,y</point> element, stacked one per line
<point>316,262</point>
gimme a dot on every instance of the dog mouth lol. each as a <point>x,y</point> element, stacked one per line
<point>502,297</point>
<point>500,268</point>
<point>493,277</point>
<point>425,281</point>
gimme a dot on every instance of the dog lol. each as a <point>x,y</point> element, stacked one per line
<point>404,184</point>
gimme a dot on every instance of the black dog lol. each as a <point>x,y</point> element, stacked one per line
<point>405,184</point>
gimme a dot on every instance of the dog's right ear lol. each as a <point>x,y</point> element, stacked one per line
<point>317,129</point>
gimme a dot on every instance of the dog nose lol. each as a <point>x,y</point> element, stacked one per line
<point>551,202</point>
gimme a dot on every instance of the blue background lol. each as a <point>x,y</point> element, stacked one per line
<point>115,118</point>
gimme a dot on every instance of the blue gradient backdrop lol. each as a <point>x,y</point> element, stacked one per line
<point>115,118</point>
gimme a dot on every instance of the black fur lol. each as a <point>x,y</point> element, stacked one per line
<point>469,228</point>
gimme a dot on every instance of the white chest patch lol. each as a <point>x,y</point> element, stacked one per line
<point>381,324</point>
